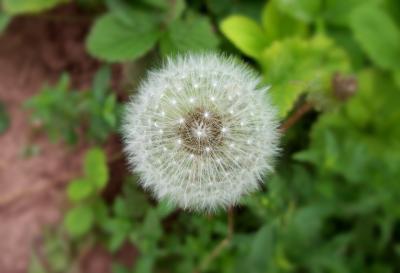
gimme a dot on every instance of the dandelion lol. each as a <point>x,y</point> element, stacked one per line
<point>201,132</point>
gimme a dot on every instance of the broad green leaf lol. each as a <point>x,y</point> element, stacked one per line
<point>260,256</point>
<point>78,221</point>
<point>96,169</point>
<point>4,118</point>
<point>245,34</point>
<point>113,39</point>
<point>278,25</point>
<point>194,34</point>
<point>4,21</point>
<point>378,35</point>
<point>79,189</point>
<point>29,6</point>
<point>175,10</point>
<point>304,10</point>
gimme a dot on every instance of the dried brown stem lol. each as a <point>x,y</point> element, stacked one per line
<point>299,113</point>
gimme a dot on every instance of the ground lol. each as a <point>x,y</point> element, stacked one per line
<point>34,51</point>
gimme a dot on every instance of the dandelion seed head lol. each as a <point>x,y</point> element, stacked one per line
<point>212,138</point>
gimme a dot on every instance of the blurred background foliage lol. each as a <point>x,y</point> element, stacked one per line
<point>332,204</point>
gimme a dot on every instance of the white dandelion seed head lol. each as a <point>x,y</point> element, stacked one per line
<point>201,132</point>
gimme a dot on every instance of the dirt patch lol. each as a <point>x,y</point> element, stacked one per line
<point>34,51</point>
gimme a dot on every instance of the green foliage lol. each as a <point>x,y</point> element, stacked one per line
<point>296,66</point>
<point>291,62</point>
<point>80,219</point>
<point>375,30</point>
<point>129,31</point>
<point>29,6</point>
<point>63,113</point>
<point>331,205</point>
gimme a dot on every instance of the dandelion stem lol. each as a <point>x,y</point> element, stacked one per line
<point>221,246</point>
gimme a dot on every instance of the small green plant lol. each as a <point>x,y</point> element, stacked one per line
<point>84,192</point>
<point>130,218</point>
<point>65,113</point>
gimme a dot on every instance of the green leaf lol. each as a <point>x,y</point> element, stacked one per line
<point>29,6</point>
<point>4,21</point>
<point>79,189</point>
<point>4,118</point>
<point>152,228</point>
<point>194,34</point>
<point>101,83</point>
<point>278,25</point>
<point>378,35</point>
<point>304,10</point>
<point>144,264</point>
<point>337,12</point>
<point>164,209</point>
<point>96,169</point>
<point>175,10</point>
<point>245,34</point>
<point>110,113</point>
<point>100,211</point>
<point>116,241</point>
<point>261,252</point>
<point>120,208</point>
<point>78,221</point>
<point>113,39</point>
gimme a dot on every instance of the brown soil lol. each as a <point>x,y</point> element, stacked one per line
<point>34,51</point>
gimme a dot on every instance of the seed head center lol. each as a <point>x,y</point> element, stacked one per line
<point>201,131</point>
